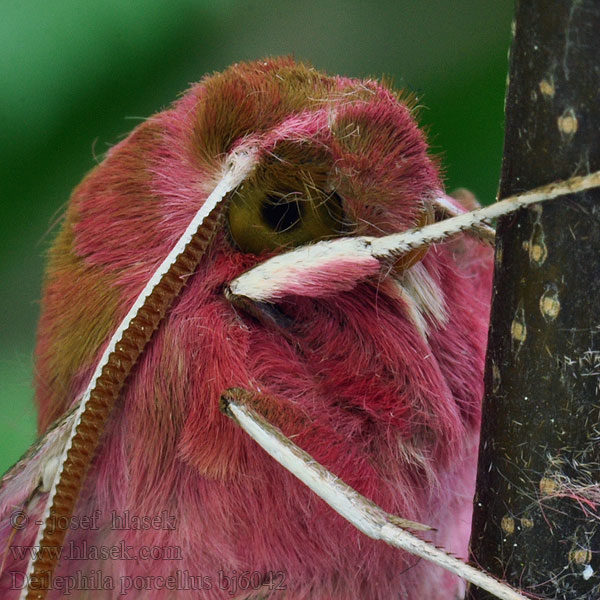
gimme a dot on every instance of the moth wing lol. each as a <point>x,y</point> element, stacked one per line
<point>23,492</point>
<point>34,472</point>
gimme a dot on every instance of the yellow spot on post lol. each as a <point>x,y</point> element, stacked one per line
<point>538,251</point>
<point>526,523</point>
<point>547,88</point>
<point>581,556</point>
<point>567,123</point>
<point>508,525</point>
<point>548,486</point>
<point>518,330</point>
<point>550,303</point>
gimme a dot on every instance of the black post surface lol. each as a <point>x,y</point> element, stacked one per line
<point>537,508</point>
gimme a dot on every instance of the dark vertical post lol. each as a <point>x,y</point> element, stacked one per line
<point>537,507</point>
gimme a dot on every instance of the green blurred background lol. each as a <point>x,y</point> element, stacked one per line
<point>78,75</point>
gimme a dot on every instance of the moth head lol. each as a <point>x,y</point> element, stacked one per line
<point>338,156</point>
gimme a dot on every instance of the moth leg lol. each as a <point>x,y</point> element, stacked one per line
<point>264,312</point>
<point>309,471</point>
<point>364,514</point>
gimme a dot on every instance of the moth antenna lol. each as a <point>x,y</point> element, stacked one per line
<point>117,361</point>
<point>446,207</point>
<point>364,514</point>
<point>400,243</point>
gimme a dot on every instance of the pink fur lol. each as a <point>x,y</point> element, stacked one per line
<point>394,415</point>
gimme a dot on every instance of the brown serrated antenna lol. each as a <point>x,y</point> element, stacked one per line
<point>124,349</point>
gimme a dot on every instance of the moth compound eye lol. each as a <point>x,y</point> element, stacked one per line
<point>282,214</point>
<point>261,221</point>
